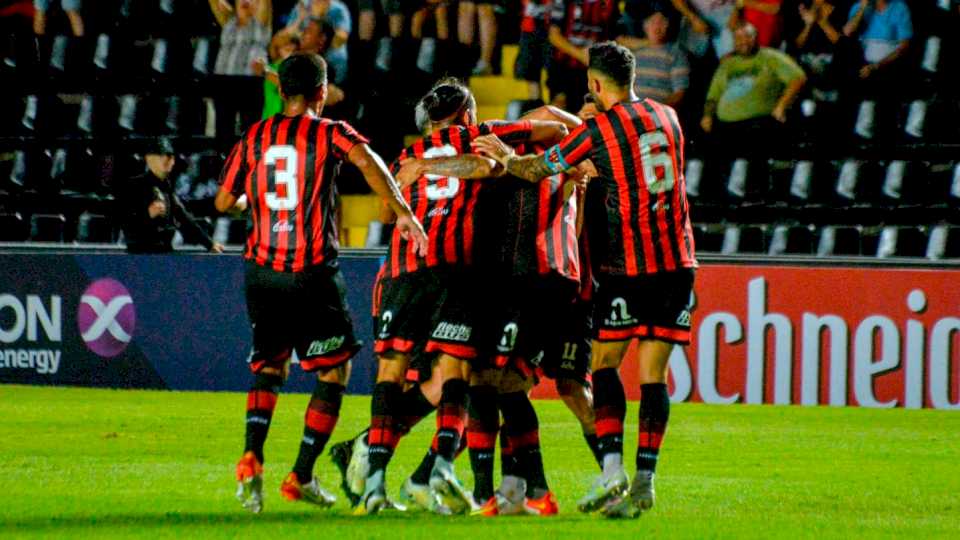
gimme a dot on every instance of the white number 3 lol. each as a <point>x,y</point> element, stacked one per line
<point>441,187</point>
<point>658,171</point>
<point>286,177</point>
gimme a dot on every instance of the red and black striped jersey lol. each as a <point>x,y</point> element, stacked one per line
<point>287,166</point>
<point>583,23</point>
<point>447,207</point>
<point>638,217</point>
<point>532,228</point>
<point>536,15</point>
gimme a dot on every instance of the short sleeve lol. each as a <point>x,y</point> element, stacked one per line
<point>573,149</point>
<point>343,138</point>
<point>339,16</point>
<point>904,25</point>
<point>785,67</point>
<point>509,132</point>
<point>233,176</point>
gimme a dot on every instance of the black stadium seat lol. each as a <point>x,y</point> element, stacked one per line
<point>96,229</point>
<point>47,227</point>
<point>13,228</point>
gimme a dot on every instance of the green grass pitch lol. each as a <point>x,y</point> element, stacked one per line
<point>80,462</point>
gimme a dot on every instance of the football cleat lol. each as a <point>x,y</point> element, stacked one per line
<point>375,498</point>
<point>452,494</point>
<point>490,508</point>
<point>639,499</point>
<point>421,496</point>
<point>604,489</point>
<point>340,456</point>
<point>292,490</point>
<point>250,483</point>
<point>359,466</point>
<point>544,506</point>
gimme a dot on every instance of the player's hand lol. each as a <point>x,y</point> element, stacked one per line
<point>779,114</point>
<point>492,147</point>
<point>216,248</point>
<point>706,124</point>
<point>412,231</point>
<point>157,209</point>
<point>410,171</point>
<point>699,26</point>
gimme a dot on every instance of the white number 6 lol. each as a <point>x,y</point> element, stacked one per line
<point>656,162</point>
<point>286,177</point>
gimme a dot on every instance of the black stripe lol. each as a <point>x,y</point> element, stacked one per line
<point>328,197</point>
<point>667,213</point>
<point>601,198</point>
<point>263,213</point>
<point>309,182</point>
<point>446,138</point>
<point>548,234</point>
<point>565,259</point>
<point>295,239</point>
<point>632,176</point>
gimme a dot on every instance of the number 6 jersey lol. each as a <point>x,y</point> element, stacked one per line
<point>637,216</point>
<point>446,206</point>
<point>287,166</point>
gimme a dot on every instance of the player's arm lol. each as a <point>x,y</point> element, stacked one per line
<point>380,180</point>
<point>563,156</point>
<point>230,196</point>
<point>469,166</point>
<point>547,131</point>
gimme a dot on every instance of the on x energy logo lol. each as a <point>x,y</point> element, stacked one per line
<point>106,317</point>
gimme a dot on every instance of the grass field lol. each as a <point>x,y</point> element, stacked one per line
<point>78,462</point>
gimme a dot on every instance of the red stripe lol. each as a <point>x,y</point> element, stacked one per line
<point>400,345</point>
<point>480,440</point>
<point>530,438</point>
<point>382,433</point>
<point>573,250</point>
<point>233,168</point>
<point>300,252</point>
<point>253,199</point>
<point>323,153</point>
<point>412,375</point>
<point>377,292</point>
<point>468,223</point>
<point>680,189</point>
<point>433,231</point>
<point>669,263</point>
<point>261,400</point>
<point>283,237</point>
<point>627,184</point>
<point>672,334</point>
<point>422,205</point>
<point>318,421</point>
<point>463,352</point>
<point>650,440</point>
<point>623,333</point>
<point>543,217</point>
<point>452,418</point>
<point>557,226</point>
<point>263,187</point>
<point>616,164</point>
<point>395,236</point>
<point>608,426</point>
<point>314,363</point>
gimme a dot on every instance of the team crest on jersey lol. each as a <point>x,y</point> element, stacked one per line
<point>327,346</point>
<point>452,332</point>
<point>619,315</point>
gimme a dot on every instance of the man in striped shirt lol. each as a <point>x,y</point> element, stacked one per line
<point>663,73</point>
<point>642,253</point>
<point>284,168</point>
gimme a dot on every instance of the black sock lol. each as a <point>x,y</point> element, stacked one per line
<point>450,417</point>
<point>261,400</point>
<point>319,422</point>
<point>508,462</point>
<point>382,436</point>
<point>594,443</point>
<point>412,408</point>
<point>422,474</point>
<point>610,408</point>
<point>654,414</point>
<point>523,431</point>
<point>482,427</point>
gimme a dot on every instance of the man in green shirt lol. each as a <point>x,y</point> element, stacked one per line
<point>752,85</point>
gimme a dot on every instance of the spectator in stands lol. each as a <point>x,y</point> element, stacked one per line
<point>816,46</point>
<point>705,23</point>
<point>663,73</point>
<point>469,13</point>
<point>575,26</point>
<point>751,92</point>
<point>149,210</point>
<point>336,14</point>
<point>884,28</point>
<point>535,50</point>
<point>432,57</point>
<point>765,16</point>
<point>245,34</point>
<point>281,47</point>
<point>71,8</point>
<point>317,38</point>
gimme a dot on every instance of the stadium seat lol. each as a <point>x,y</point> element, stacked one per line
<point>902,242</point>
<point>47,227</point>
<point>792,240</point>
<point>13,228</point>
<point>708,237</point>
<point>95,229</point>
<point>237,234</point>
<point>201,57</point>
<point>746,239</point>
<point>839,240</point>
<point>128,112</point>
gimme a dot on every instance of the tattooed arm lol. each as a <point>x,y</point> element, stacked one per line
<point>469,166</point>
<point>531,167</point>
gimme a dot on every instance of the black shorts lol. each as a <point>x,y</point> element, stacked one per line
<point>651,306</point>
<point>304,312</point>
<point>434,308</point>
<point>534,56</point>
<point>523,319</point>
<point>567,354</point>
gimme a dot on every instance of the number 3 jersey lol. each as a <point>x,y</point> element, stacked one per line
<point>446,206</point>
<point>636,215</point>
<point>287,166</point>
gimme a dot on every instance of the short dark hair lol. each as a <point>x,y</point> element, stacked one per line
<point>448,97</point>
<point>613,60</point>
<point>302,74</point>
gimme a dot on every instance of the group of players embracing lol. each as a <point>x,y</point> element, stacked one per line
<point>539,248</point>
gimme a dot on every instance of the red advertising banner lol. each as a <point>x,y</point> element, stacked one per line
<point>867,337</point>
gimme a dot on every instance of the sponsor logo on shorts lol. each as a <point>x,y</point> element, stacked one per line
<point>619,316</point>
<point>327,346</point>
<point>452,332</point>
<point>684,318</point>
